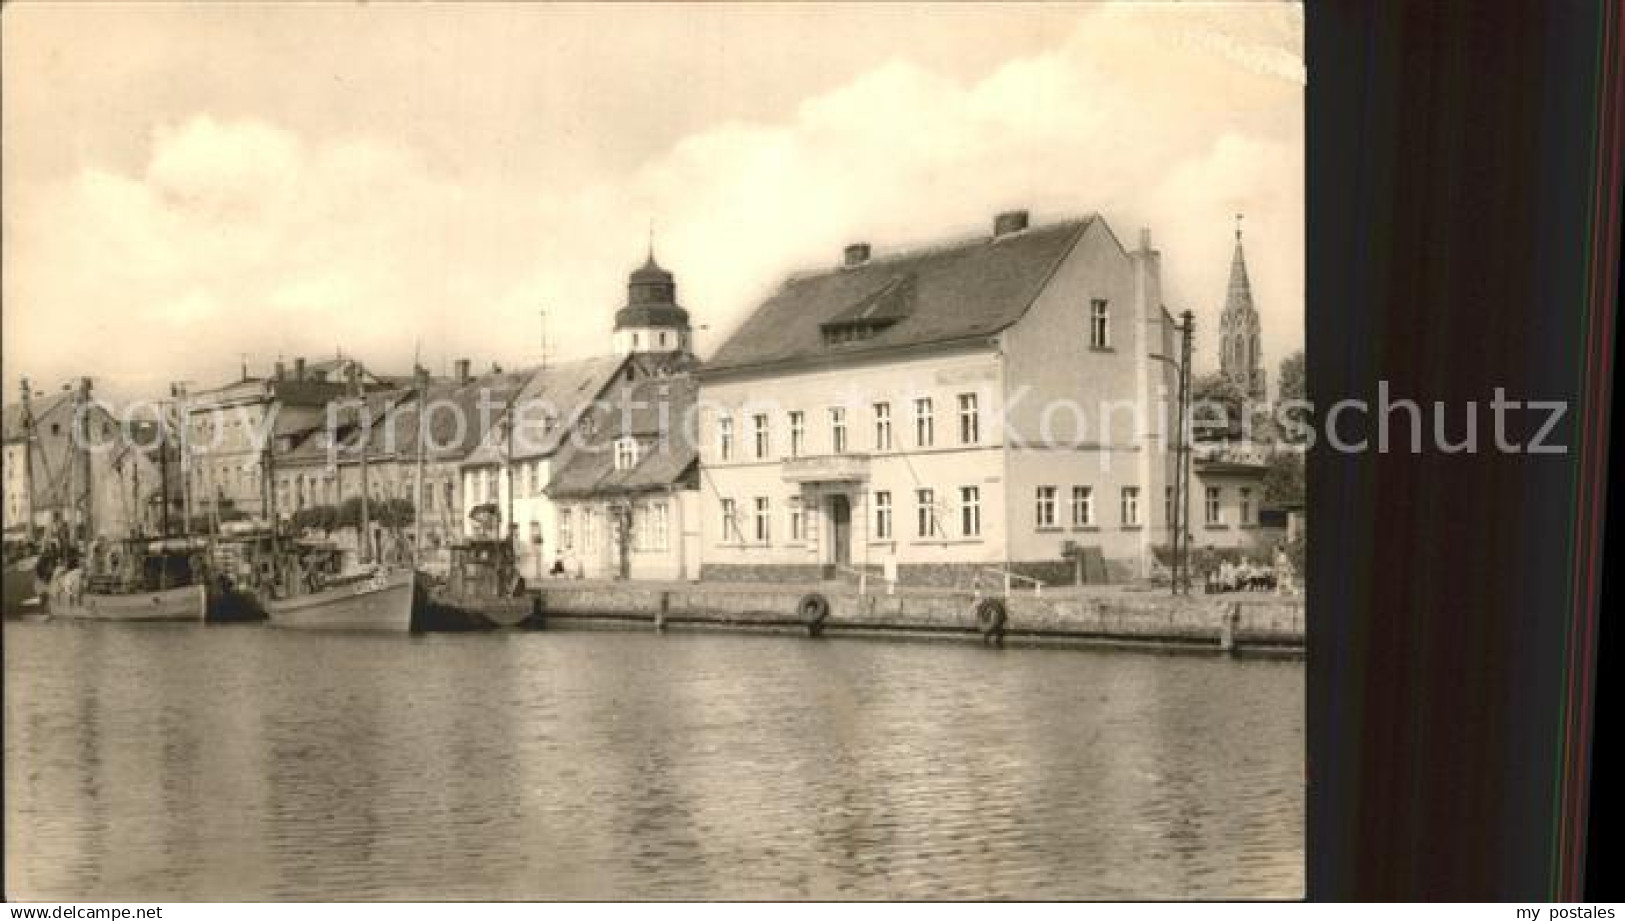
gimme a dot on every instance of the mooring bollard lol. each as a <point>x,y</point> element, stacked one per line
<point>1229,620</point>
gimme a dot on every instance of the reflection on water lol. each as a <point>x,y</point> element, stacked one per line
<point>148,763</point>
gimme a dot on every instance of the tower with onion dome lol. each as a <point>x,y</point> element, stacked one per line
<point>652,322</point>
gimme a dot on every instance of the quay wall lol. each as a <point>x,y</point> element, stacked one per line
<point>1210,621</point>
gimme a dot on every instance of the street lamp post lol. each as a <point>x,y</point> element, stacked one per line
<point>1180,580</point>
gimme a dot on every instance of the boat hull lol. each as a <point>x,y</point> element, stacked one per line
<point>233,606</point>
<point>21,591</point>
<point>449,612</point>
<point>385,604</point>
<point>187,604</point>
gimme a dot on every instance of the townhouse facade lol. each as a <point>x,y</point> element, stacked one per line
<point>229,429</point>
<point>628,500</point>
<point>324,468</point>
<point>571,416</point>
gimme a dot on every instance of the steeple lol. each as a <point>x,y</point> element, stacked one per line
<point>652,320</point>
<point>1240,358</point>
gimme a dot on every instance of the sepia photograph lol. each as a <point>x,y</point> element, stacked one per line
<point>834,452</point>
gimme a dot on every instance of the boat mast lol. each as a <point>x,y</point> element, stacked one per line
<point>28,460</point>
<point>83,411</point>
<point>163,471</point>
<point>507,463</point>
<point>177,390</point>
<point>366,523</point>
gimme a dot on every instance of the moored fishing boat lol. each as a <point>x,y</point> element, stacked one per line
<point>21,592</point>
<point>374,598</point>
<point>309,587</point>
<point>483,589</point>
<point>240,566</point>
<point>133,580</point>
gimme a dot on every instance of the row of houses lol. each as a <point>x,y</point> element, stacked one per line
<point>994,404</point>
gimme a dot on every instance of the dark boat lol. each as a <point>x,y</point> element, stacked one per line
<point>23,592</point>
<point>483,589</point>
<point>240,563</point>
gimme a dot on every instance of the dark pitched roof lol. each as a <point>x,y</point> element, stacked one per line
<point>656,411</point>
<point>11,417</point>
<point>549,405</point>
<point>454,418</point>
<point>929,296</point>
<point>593,473</point>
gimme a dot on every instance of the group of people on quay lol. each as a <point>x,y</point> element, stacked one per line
<point>1245,575</point>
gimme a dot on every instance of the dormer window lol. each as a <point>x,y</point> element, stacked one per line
<point>873,314</point>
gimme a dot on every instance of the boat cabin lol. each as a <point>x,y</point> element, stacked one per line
<point>484,568</point>
<point>142,565</point>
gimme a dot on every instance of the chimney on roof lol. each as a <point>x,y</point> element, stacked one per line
<point>299,369</point>
<point>1009,222</point>
<point>462,370</point>
<point>1145,239</point>
<point>857,254</point>
<point>281,371</point>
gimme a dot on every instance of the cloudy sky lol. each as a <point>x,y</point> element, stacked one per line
<point>185,184</point>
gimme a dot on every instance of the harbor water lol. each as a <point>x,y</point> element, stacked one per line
<point>178,762</point>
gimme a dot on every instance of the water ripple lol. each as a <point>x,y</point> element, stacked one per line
<point>157,763</point>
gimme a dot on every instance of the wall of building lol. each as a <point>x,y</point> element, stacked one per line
<point>1085,416</point>
<point>643,339</point>
<point>1236,525</point>
<point>533,510</point>
<point>943,466</point>
<point>588,541</point>
<point>224,429</point>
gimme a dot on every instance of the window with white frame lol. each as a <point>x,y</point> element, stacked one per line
<point>797,522</point>
<point>1131,506</point>
<point>925,512</point>
<point>1215,511</point>
<point>626,453</point>
<point>798,433</point>
<point>1044,507</point>
<point>659,525</point>
<point>1099,325</point>
<point>924,424</point>
<point>883,515</point>
<point>763,520</point>
<point>882,426</point>
<point>837,429</point>
<point>1083,506</point>
<point>970,511</point>
<point>566,537</point>
<point>1246,506</point>
<point>759,425</point>
<point>970,426</point>
<point>725,437</point>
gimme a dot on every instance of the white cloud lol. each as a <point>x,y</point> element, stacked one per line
<point>242,235</point>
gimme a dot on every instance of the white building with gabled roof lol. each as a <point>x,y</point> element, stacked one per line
<point>945,415</point>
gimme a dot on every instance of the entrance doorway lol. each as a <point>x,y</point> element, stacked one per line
<point>840,523</point>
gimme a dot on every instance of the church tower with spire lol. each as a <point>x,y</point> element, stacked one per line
<point>1240,359</point>
<point>652,322</point>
